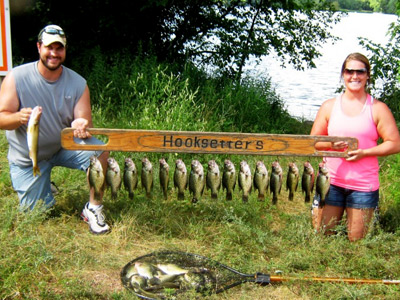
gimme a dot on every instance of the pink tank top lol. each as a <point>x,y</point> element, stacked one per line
<point>361,175</point>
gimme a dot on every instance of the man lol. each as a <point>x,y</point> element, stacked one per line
<point>64,98</point>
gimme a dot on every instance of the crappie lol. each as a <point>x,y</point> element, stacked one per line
<point>33,137</point>
<point>130,177</point>
<point>307,181</point>
<point>261,180</point>
<point>292,180</point>
<point>245,180</point>
<point>180,178</point>
<point>164,177</point>
<point>229,178</point>
<point>113,176</point>
<point>276,181</point>
<point>146,270</point>
<point>196,180</point>
<point>96,176</point>
<point>147,176</point>
<point>172,269</point>
<point>323,183</point>
<point>213,179</point>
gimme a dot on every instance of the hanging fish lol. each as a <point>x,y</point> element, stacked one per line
<point>213,178</point>
<point>276,181</point>
<point>261,180</point>
<point>292,180</point>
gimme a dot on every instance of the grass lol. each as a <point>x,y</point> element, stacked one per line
<point>52,255</point>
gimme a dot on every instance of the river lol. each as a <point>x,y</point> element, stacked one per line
<point>304,91</point>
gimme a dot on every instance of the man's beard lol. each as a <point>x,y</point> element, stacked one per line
<point>51,68</point>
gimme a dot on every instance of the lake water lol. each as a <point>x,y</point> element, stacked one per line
<point>304,91</point>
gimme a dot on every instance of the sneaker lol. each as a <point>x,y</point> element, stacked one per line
<point>95,218</point>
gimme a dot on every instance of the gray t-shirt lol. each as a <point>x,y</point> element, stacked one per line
<point>57,99</point>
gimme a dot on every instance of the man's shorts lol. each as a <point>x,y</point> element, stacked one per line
<point>31,188</point>
<point>338,196</point>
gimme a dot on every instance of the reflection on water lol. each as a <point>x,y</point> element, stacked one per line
<point>304,91</point>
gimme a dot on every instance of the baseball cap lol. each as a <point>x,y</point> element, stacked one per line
<point>52,34</point>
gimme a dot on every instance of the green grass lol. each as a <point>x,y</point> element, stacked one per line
<point>52,255</point>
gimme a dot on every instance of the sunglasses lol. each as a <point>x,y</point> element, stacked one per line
<point>357,71</point>
<point>51,30</point>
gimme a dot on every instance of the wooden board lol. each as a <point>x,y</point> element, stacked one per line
<point>206,142</point>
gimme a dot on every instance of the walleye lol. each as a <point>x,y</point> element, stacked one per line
<point>245,180</point>
<point>307,181</point>
<point>33,137</point>
<point>292,180</point>
<point>96,176</point>
<point>196,180</point>
<point>213,178</point>
<point>130,177</point>
<point>164,177</point>
<point>113,176</point>
<point>147,176</point>
<point>261,180</point>
<point>229,178</point>
<point>276,181</point>
<point>180,178</point>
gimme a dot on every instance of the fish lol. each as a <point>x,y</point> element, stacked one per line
<point>113,176</point>
<point>137,281</point>
<point>292,180</point>
<point>180,178</point>
<point>229,178</point>
<point>33,138</point>
<point>96,176</point>
<point>146,270</point>
<point>323,183</point>
<point>130,177</point>
<point>147,176</point>
<point>307,181</point>
<point>213,178</point>
<point>164,177</point>
<point>171,269</point>
<point>276,181</point>
<point>261,180</point>
<point>196,180</point>
<point>245,180</point>
<point>321,190</point>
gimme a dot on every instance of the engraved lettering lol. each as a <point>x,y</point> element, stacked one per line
<point>260,145</point>
<point>168,141</point>
<point>188,142</point>
<point>178,142</point>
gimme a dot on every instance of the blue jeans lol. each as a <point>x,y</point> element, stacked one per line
<point>338,196</point>
<point>31,189</point>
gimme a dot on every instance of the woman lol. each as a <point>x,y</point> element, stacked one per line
<point>355,179</point>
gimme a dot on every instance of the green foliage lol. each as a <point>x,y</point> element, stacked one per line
<point>224,34</point>
<point>385,62</point>
<point>147,95</point>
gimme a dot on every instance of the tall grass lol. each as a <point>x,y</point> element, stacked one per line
<point>52,255</point>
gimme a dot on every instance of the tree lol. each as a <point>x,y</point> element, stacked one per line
<point>385,62</point>
<point>219,33</point>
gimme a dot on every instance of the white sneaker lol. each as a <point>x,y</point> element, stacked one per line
<point>95,218</point>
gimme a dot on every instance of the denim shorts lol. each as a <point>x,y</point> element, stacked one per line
<point>338,196</point>
<point>31,189</point>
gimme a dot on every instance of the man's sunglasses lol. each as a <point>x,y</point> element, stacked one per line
<point>51,30</point>
<point>357,71</point>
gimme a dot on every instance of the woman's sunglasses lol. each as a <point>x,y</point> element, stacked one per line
<point>357,71</point>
